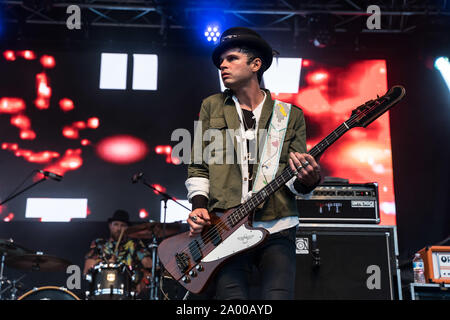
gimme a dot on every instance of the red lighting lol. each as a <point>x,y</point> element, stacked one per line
<point>11,105</point>
<point>158,187</point>
<point>66,105</point>
<point>79,125</point>
<point>21,121</point>
<point>85,142</point>
<point>48,61</point>
<point>167,150</point>
<point>27,135</point>
<point>41,103</point>
<point>9,55</point>
<point>70,133</point>
<point>306,63</point>
<point>319,77</point>
<point>176,160</point>
<point>93,123</point>
<point>44,90</point>
<point>122,149</point>
<point>9,217</point>
<point>143,214</point>
<point>27,54</point>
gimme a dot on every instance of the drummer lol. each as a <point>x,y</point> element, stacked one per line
<point>130,252</point>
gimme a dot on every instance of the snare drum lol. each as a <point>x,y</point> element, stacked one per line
<point>110,281</point>
<point>49,293</point>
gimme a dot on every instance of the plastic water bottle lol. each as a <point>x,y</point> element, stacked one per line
<point>418,268</point>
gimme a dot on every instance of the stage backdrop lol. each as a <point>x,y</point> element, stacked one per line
<point>97,119</point>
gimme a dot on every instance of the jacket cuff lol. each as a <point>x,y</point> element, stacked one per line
<point>304,189</point>
<point>199,201</point>
<point>301,188</point>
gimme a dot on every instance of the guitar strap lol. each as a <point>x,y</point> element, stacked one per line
<point>270,157</point>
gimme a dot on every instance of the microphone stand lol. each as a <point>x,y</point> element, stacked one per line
<point>154,284</point>
<point>20,192</point>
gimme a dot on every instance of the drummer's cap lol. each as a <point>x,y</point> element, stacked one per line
<point>120,215</point>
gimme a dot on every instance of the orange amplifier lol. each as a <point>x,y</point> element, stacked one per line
<point>436,260</point>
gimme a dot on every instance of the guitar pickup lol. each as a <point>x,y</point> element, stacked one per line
<point>214,237</point>
<point>182,260</point>
<point>196,252</point>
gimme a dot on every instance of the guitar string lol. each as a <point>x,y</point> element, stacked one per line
<point>222,224</point>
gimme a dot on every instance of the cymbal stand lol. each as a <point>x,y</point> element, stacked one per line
<point>16,285</point>
<point>1,274</point>
<point>154,279</point>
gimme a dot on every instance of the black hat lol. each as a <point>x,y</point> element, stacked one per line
<point>120,215</point>
<point>239,36</point>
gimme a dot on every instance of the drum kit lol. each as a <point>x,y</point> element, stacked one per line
<point>18,257</point>
<point>107,280</point>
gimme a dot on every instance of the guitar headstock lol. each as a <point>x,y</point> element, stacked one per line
<point>372,109</point>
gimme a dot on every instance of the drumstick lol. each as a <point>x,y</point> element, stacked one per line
<point>118,241</point>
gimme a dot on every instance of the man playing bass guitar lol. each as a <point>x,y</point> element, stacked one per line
<point>242,57</point>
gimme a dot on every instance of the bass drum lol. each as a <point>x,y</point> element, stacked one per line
<point>171,289</point>
<point>49,293</point>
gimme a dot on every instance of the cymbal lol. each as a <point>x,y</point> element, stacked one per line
<point>10,248</point>
<point>37,262</point>
<point>148,229</point>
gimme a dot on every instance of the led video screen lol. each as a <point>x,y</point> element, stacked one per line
<point>97,118</point>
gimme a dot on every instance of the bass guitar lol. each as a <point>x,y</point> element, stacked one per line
<point>193,260</point>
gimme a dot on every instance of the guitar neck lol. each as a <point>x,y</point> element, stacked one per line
<point>287,174</point>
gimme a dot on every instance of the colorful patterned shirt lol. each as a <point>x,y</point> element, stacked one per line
<point>130,252</point>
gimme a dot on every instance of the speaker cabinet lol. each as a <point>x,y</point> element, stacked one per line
<point>346,261</point>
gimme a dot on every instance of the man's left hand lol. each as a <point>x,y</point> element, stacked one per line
<point>309,174</point>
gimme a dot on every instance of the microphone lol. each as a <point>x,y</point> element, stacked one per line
<point>136,177</point>
<point>51,175</point>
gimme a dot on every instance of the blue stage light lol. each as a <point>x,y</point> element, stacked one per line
<point>443,65</point>
<point>212,34</point>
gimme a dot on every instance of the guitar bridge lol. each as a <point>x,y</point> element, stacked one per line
<point>182,260</point>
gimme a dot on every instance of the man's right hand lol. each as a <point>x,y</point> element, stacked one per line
<point>197,220</point>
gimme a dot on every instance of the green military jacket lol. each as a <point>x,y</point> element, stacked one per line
<point>225,180</point>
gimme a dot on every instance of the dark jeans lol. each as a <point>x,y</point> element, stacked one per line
<point>274,260</point>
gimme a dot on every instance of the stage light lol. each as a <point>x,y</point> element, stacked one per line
<point>145,72</point>
<point>93,123</point>
<point>56,209</point>
<point>66,104</point>
<point>283,76</point>
<point>175,212</point>
<point>122,149</point>
<point>443,65</point>
<point>143,213</point>
<point>11,105</point>
<point>47,61</point>
<point>212,34</point>
<point>9,55</point>
<point>113,71</point>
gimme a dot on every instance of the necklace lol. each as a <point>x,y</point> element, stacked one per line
<point>249,133</point>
